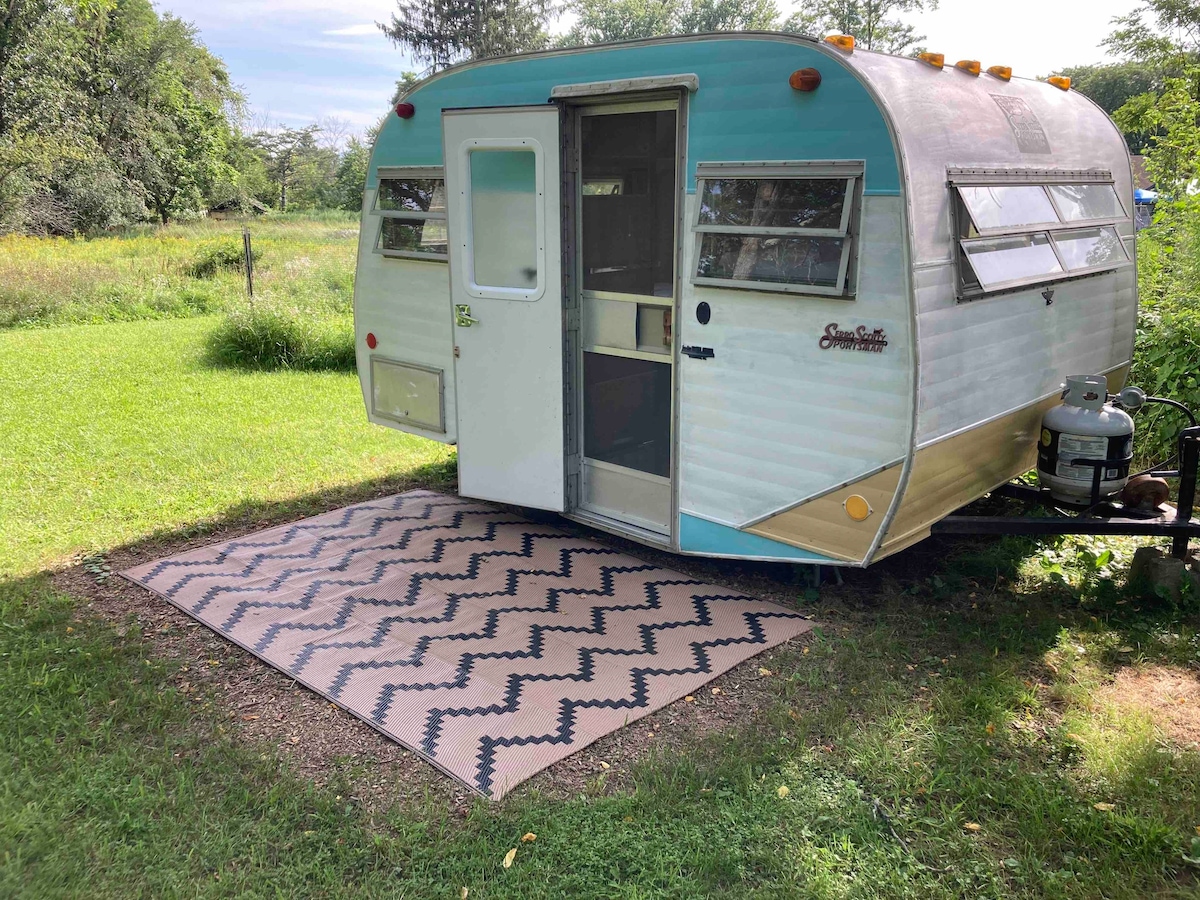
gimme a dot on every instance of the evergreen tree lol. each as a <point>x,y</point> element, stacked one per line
<point>442,32</point>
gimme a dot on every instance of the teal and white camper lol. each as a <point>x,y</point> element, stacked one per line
<point>741,295</point>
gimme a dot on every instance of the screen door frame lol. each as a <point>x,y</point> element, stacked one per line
<point>665,534</point>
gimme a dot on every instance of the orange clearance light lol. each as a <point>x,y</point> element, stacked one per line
<point>970,66</point>
<point>1060,81</point>
<point>405,110</point>
<point>1004,73</point>
<point>841,41</point>
<point>371,342</point>
<point>805,80</point>
<point>937,60</point>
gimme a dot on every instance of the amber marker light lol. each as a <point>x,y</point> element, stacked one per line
<point>841,41</point>
<point>937,60</point>
<point>1004,73</point>
<point>405,110</point>
<point>857,507</point>
<point>970,66</point>
<point>1062,82</point>
<point>805,80</point>
<point>371,342</point>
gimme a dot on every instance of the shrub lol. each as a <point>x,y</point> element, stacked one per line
<point>1166,356</point>
<point>268,335</point>
<point>223,257</point>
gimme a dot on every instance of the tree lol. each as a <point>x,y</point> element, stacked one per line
<point>872,22</point>
<point>286,152</point>
<point>601,21</point>
<point>442,32</point>
<point>1171,119</point>
<point>701,16</point>
<point>351,178</point>
<point>405,83</point>
<point>1111,86</point>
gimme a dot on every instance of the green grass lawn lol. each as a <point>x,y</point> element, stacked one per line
<point>113,432</point>
<point>953,729</point>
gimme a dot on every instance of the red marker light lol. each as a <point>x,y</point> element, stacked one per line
<point>405,110</point>
<point>805,80</point>
<point>371,342</point>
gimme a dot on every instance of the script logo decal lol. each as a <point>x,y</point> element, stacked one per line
<point>859,339</point>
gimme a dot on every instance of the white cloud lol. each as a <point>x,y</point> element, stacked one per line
<point>355,30</point>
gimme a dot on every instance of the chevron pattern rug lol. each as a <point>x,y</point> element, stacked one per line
<point>490,645</point>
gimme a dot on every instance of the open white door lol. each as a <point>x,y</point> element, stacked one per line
<point>502,183</point>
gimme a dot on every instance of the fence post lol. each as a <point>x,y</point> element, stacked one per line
<point>248,253</point>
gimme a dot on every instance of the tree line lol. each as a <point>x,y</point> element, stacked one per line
<point>111,113</point>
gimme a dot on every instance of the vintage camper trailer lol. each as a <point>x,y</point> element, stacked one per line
<point>741,295</point>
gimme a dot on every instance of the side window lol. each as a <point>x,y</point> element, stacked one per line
<point>1015,232</point>
<point>781,227</point>
<point>411,207</point>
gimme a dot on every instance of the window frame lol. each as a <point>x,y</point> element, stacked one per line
<point>467,200</point>
<point>850,171</point>
<point>968,285</point>
<point>399,173</point>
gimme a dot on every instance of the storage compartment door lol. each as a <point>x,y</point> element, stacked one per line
<point>502,184</point>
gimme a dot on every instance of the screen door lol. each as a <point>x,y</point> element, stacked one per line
<point>627,249</point>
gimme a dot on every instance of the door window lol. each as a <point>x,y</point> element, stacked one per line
<point>504,218</point>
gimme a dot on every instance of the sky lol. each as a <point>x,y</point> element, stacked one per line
<point>300,61</point>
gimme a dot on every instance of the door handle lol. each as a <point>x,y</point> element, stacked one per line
<point>463,317</point>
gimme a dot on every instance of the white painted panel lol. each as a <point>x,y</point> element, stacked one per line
<point>509,369</point>
<point>405,303</point>
<point>772,419</point>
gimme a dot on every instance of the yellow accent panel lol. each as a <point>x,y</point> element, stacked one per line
<point>822,525</point>
<point>953,472</point>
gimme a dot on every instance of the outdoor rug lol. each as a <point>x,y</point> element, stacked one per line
<point>490,645</point>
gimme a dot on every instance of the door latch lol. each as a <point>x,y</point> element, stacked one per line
<point>463,317</point>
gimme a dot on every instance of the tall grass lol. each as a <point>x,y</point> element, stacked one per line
<point>164,272</point>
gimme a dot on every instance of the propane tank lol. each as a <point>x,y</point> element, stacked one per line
<point>1084,426</point>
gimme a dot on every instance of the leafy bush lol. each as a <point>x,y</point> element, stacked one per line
<point>1166,360</point>
<point>269,335</point>
<point>223,257</point>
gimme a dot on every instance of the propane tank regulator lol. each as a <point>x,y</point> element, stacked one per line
<point>1081,433</point>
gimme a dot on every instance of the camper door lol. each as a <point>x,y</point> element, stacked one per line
<point>502,184</point>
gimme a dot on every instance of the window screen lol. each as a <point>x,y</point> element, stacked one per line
<point>1014,234</point>
<point>771,232</point>
<point>411,206</point>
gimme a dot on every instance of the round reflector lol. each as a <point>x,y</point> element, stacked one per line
<point>857,507</point>
<point>371,342</point>
<point>405,110</point>
<point>805,79</point>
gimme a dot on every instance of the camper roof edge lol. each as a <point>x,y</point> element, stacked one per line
<point>688,81</point>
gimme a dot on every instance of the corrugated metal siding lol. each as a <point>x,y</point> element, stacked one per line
<point>981,358</point>
<point>405,303</point>
<point>772,419</point>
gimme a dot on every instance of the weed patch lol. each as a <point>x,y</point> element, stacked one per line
<point>269,335</point>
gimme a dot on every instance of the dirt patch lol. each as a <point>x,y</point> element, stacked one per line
<point>1170,696</point>
<point>266,709</point>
